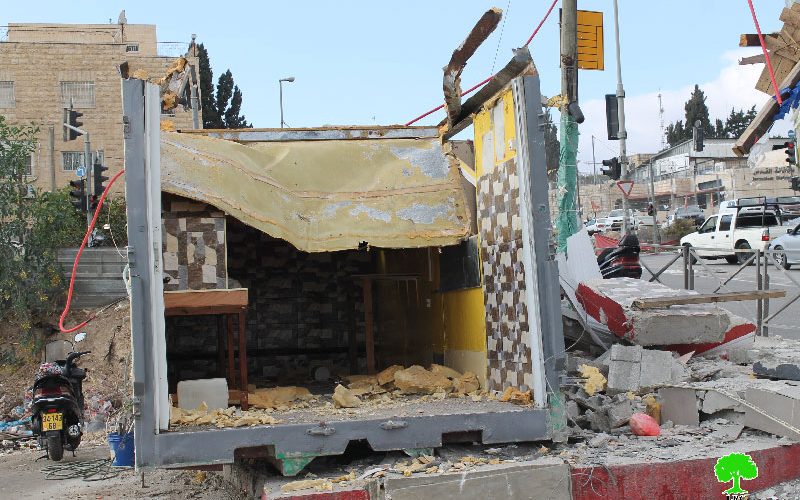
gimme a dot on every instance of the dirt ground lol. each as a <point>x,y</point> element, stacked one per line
<point>108,337</point>
<point>21,476</point>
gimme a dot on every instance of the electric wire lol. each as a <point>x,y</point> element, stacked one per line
<point>71,288</point>
<point>89,470</point>
<point>476,86</point>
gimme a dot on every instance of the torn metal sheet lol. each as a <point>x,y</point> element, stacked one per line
<point>325,195</point>
<point>458,61</point>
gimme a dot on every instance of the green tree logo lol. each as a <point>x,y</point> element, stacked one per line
<point>735,467</point>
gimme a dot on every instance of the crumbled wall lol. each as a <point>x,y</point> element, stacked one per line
<point>193,245</point>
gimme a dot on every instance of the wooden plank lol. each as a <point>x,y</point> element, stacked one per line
<point>369,326</point>
<point>231,364</point>
<point>706,298</point>
<point>763,121</point>
<point>243,359</point>
<point>204,299</point>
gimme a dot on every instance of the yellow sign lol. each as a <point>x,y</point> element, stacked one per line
<point>590,40</point>
<point>52,422</point>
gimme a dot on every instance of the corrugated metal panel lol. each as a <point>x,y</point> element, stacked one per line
<point>325,195</point>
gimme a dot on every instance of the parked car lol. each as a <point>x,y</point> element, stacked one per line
<point>691,212</point>
<point>722,234</point>
<point>642,220</point>
<point>614,218</point>
<point>790,244</point>
<point>596,225</point>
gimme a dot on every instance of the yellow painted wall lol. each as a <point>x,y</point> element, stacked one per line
<point>450,325</point>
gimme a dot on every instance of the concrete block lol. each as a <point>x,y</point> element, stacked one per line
<point>679,405</point>
<point>632,354</point>
<point>610,302</point>
<point>619,412</point>
<point>526,480</point>
<point>623,376</point>
<point>211,391</point>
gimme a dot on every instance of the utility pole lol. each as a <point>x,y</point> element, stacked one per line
<point>594,165</point>
<point>656,233</point>
<point>623,134</point>
<point>567,219</point>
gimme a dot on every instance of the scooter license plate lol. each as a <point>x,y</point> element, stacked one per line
<point>52,421</point>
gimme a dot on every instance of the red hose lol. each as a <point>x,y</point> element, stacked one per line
<point>766,54</point>
<point>437,108</point>
<point>78,258</point>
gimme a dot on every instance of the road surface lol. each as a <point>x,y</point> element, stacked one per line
<point>711,273</point>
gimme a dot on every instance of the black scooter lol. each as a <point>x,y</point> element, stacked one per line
<point>57,407</point>
<point>621,261</point>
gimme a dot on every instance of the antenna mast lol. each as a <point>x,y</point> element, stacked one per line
<point>661,123</point>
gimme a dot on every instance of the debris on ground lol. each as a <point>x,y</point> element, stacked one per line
<point>230,417</point>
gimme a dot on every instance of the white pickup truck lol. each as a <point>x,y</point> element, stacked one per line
<point>730,230</point>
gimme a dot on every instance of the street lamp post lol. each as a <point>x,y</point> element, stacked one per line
<point>280,86</point>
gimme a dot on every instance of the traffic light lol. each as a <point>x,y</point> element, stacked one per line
<point>99,179</point>
<point>71,118</point>
<point>795,183</point>
<point>78,194</point>
<point>614,169</point>
<point>651,211</point>
<point>791,159</point>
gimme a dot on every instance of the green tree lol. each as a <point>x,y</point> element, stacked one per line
<point>719,129</point>
<point>696,109</point>
<point>552,147</point>
<point>223,109</point>
<point>738,121</point>
<point>735,467</point>
<point>31,285</point>
<point>675,133</point>
<point>208,103</point>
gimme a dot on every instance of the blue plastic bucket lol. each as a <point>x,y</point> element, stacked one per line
<point>122,448</point>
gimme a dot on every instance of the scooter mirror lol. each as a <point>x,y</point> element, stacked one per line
<point>80,337</point>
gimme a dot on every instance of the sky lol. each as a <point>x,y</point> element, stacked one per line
<point>380,62</point>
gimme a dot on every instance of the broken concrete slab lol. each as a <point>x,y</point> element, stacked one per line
<point>633,368</point>
<point>679,405</point>
<point>714,401</point>
<point>774,409</point>
<point>773,357</point>
<point>610,302</point>
<point>619,411</point>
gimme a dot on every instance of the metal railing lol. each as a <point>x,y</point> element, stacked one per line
<point>763,263</point>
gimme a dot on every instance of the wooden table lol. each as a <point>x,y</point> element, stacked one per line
<point>226,304</point>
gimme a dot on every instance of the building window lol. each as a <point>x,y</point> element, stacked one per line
<point>7,95</point>
<point>77,94</point>
<point>29,165</point>
<point>132,47</point>
<point>71,160</point>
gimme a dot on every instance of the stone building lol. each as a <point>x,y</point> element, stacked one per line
<point>683,176</point>
<point>44,67</point>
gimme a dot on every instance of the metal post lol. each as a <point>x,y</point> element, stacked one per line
<point>656,233</point>
<point>691,268</point>
<point>623,134</point>
<point>88,167</point>
<point>765,325</point>
<point>280,93</point>
<point>567,220</point>
<point>195,105</point>
<point>52,137</point>
<point>686,255</point>
<point>759,302</point>
<point>594,165</point>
